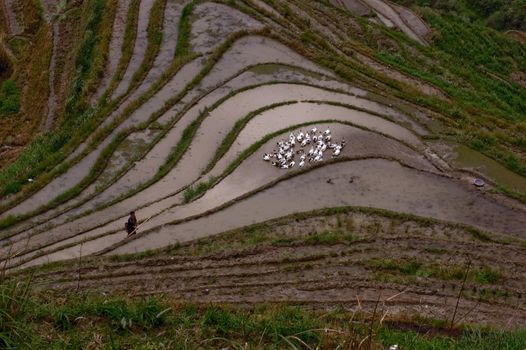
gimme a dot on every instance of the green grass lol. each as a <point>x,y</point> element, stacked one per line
<point>330,237</point>
<point>183,43</point>
<point>479,275</point>
<point>88,320</point>
<point>9,98</point>
<point>75,104</point>
<point>198,189</point>
<point>472,65</point>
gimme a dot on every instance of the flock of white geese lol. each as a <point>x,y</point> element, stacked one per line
<point>318,141</point>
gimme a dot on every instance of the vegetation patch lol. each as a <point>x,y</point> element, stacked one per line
<point>87,320</point>
<point>9,98</point>
<point>198,189</point>
<point>480,275</point>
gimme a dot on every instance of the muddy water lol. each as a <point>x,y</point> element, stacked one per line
<point>139,49</point>
<point>243,53</point>
<point>404,190</point>
<point>217,125</point>
<point>214,22</point>
<point>252,174</point>
<point>172,15</point>
<point>114,50</point>
<point>386,12</point>
<point>282,117</point>
<point>464,157</point>
<point>147,167</point>
<point>234,60</point>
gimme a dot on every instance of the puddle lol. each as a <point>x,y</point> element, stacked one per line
<point>212,23</point>
<point>404,190</point>
<point>464,157</point>
<point>139,49</point>
<point>114,50</point>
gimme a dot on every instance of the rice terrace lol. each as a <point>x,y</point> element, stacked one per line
<point>263,174</point>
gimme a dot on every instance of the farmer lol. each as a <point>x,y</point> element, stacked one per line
<point>131,224</point>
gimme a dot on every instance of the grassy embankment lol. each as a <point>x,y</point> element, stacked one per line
<point>80,321</point>
<point>83,319</point>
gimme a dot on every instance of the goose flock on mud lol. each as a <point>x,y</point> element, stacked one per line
<point>319,141</point>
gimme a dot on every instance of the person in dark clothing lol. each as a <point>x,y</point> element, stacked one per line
<point>131,224</point>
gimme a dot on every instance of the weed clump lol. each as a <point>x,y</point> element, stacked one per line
<point>9,98</point>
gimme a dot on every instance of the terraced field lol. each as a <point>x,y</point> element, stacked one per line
<point>189,97</point>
